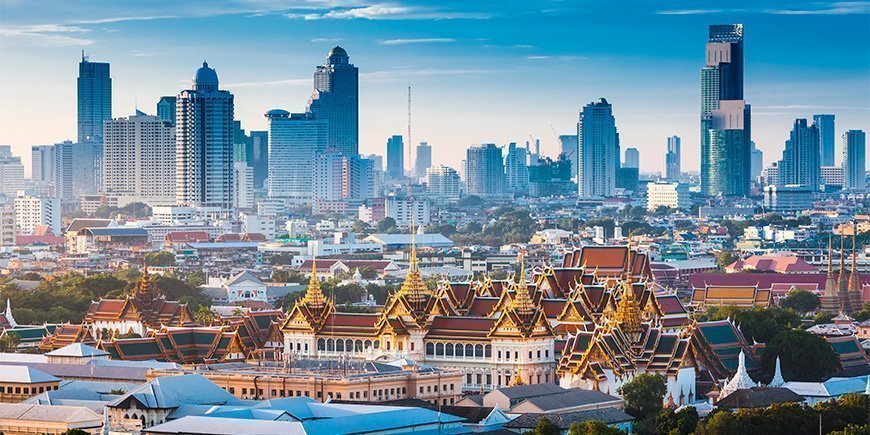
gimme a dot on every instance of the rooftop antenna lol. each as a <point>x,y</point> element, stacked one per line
<point>410,142</point>
<point>84,57</point>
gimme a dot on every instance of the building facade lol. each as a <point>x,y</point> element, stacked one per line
<point>443,183</point>
<point>800,158</point>
<point>599,155</point>
<point>395,157</point>
<point>672,195</point>
<point>32,211</point>
<point>672,159</point>
<point>516,170</point>
<point>243,186</point>
<point>11,172</point>
<point>568,146</point>
<point>296,140</point>
<point>166,109</point>
<point>336,100</point>
<point>484,171</point>
<point>854,159</point>
<point>94,99</point>
<point>632,158</point>
<point>139,160</point>
<point>825,125</point>
<point>423,159</point>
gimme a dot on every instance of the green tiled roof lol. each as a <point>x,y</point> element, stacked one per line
<point>718,334</point>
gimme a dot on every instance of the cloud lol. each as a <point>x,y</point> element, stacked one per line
<point>833,8</point>
<point>691,12</point>
<point>415,41</point>
<point>45,35</point>
<point>151,53</point>
<point>327,39</point>
<point>405,74</point>
<point>807,107</point>
<point>386,12</point>
<point>129,18</point>
<point>561,57</point>
<point>284,82</point>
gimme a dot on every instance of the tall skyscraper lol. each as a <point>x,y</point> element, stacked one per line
<point>243,186</point>
<point>632,158</point>
<point>296,140</point>
<point>242,145</point>
<point>259,159</point>
<point>423,160</point>
<point>166,109</point>
<point>341,181</point>
<point>825,124</point>
<point>854,159</point>
<point>42,163</point>
<point>800,158</point>
<point>204,144</point>
<point>598,150</point>
<point>139,160</point>
<point>11,172</point>
<point>76,169</point>
<point>672,159</point>
<point>757,161</point>
<point>516,171</point>
<point>443,183</point>
<point>484,171</point>
<point>336,100</point>
<point>568,146</point>
<point>94,99</point>
<point>395,157</point>
<point>725,116</point>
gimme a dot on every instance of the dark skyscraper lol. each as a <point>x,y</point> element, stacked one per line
<point>336,100</point>
<point>725,116</point>
<point>259,158</point>
<point>94,99</point>
<point>395,157</point>
<point>800,158</point>
<point>854,159</point>
<point>599,158</point>
<point>825,124</point>
<point>672,159</point>
<point>166,109</point>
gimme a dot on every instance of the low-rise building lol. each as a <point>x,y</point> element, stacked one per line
<point>26,418</point>
<point>20,382</point>
<point>671,195</point>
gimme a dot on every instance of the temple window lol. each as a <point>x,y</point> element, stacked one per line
<point>439,349</point>
<point>339,345</point>
<point>330,345</point>
<point>448,350</point>
<point>460,350</point>
<point>487,350</point>
<point>358,346</point>
<point>469,351</point>
<point>478,352</point>
<point>430,349</point>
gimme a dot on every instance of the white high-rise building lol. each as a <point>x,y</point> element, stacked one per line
<point>204,144</point>
<point>42,163</point>
<point>484,171</point>
<point>407,211</point>
<point>854,159</point>
<point>673,195</point>
<point>294,143</point>
<point>444,183</point>
<point>32,211</point>
<point>598,150</point>
<point>516,171</point>
<point>243,186</point>
<point>423,160</point>
<point>11,172</point>
<point>139,160</point>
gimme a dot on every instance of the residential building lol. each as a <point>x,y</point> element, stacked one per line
<point>854,159</point>
<point>33,211</point>
<point>77,169</point>
<point>832,177</point>
<point>395,157</point>
<point>423,159</point>
<point>408,211</point>
<point>672,159</point>
<point>336,100</point>
<point>516,171</point>
<point>599,155</point>
<point>18,383</point>
<point>825,126</point>
<point>341,181</point>
<point>632,158</point>
<point>800,158</point>
<point>295,142</point>
<point>673,195</point>
<point>484,171</point>
<point>166,109</point>
<point>8,229</point>
<point>788,198</point>
<point>11,172</point>
<point>204,144</point>
<point>94,99</point>
<point>243,186</point>
<point>443,183</point>
<point>568,145</point>
<point>139,160</point>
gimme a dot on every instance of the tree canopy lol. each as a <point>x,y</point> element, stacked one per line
<point>801,301</point>
<point>804,356</point>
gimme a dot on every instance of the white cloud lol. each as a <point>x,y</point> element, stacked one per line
<point>690,12</point>
<point>285,82</point>
<point>386,12</point>
<point>833,8</point>
<point>327,40</point>
<point>130,18</point>
<point>44,35</point>
<point>415,41</point>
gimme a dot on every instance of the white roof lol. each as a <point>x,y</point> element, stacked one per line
<point>48,413</point>
<point>173,391</point>
<point>24,375</point>
<point>78,350</point>
<point>220,426</point>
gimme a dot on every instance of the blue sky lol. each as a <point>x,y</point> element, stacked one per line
<point>481,71</point>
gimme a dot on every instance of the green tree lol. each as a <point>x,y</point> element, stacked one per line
<point>805,357</point>
<point>387,225</point>
<point>853,429</point>
<point>847,410</point>
<point>644,395</point>
<point>801,301</point>
<point>471,201</point>
<point>75,432</point>
<point>9,343</point>
<point>720,423</point>
<point>289,276</point>
<point>204,316</point>
<point>862,314</point>
<point>725,258</point>
<point>160,258</point>
<point>546,427</point>
<point>682,422</point>
<point>593,427</point>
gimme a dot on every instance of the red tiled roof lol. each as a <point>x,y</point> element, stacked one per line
<point>187,236</point>
<point>764,281</point>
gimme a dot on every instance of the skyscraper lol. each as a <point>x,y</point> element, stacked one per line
<point>516,171</point>
<point>632,158</point>
<point>259,158</point>
<point>568,147</point>
<point>94,99</point>
<point>825,124</point>
<point>242,145</point>
<point>725,116</point>
<point>854,159</point>
<point>42,163</point>
<point>484,171</point>
<point>757,161</point>
<point>672,159</point>
<point>395,157</point>
<point>11,172</point>
<point>336,100</point>
<point>139,160</point>
<point>598,147</point>
<point>243,186</point>
<point>800,158</point>
<point>166,109</point>
<point>443,183</point>
<point>296,140</point>
<point>423,160</point>
<point>204,144</point>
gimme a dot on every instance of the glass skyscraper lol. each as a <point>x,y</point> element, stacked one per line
<point>166,109</point>
<point>854,159</point>
<point>259,158</point>
<point>296,141</point>
<point>800,158</point>
<point>484,171</point>
<point>599,156</point>
<point>825,124</point>
<point>395,157</point>
<point>336,100</point>
<point>94,99</point>
<point>672,159</point>
<point>725,116</point>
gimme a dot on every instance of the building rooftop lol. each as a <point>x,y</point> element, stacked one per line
<point>24,375</point>
<point>758,397</point>
<point>565,420</point>
<point>48,413</point>
<point>79,350</point>
<point>174,391</point>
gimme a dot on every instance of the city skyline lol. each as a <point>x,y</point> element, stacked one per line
<point>452,53</point>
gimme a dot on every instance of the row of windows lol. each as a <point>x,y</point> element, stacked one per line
<point>459,350</point>
<point>339,345</point>
<point>25,390</point>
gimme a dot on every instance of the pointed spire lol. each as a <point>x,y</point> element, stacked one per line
<point>314,298</point>
<point>522,302</point>
<point>830,255</point>
<point>9,317</point>
<point>741,379</point>
<point>777,380</point>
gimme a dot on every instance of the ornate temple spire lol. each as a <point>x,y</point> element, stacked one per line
<point>8,313</point>
<point>522,302</point>
<point>314,298</point>
<point>842,277</point>
<point>777,380</point>
<point>854,286</point>
<point>414,288</point>
<point>741,379</point>
<point>830,299</point>
<point>145,289</point>
<point>628,314</point>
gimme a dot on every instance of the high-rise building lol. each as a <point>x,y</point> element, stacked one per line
<point>336,100</point>
<point>11,172</point>
<point>139,160</point>
<point>568,146</point>
<point>672,159</point>
<point>725,116</point>
<point>395,157</point>
<point>166,109</point>
<point>204,144</point>
<point>94,99</point>
<point>667,194</point>
<point>259,158</point>
<point>341,181</point>
<point>599,154</point>
<point>32,211</point>
<point>632,158</point>
<point>242,145</point>
<point>77,169</point>
<point>756,161</point>
<point>443,183</point>
<point>825,124</point>
<point>423,160</point>
<point>63,169</point>
<point>243,186</point>
<point>296,140</point>
<point>484,171</point>
<point>42,163</point>
<point>854,159</point>
<point>831,177</point>
<point>407,211</point>
<point>800,158</point>
<point>516,171</point>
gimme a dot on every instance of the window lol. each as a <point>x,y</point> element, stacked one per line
<point>487,350</point>
<point>244,391</point>
<point>460,350</point>
<point>330,345</point>
<point>421,390</point>
<point>448,350</point>
<point>488,379</point>
<point>546,353</point>
<point>339,345</point>
<point>232,390</point>
<point>479,378</point>
<point>439,349</point>
<point>468,378</point>
<point>539,354</point>
<point>499,355</point>
<point>478,351</point>
<point>430,349</point>
<point>507,355</point>
<point>436,388</point>
<point>516,354</point>
<point>412,345</point>
<point>530,354</point>
<point>307,394</point>
<point>451,387</point>
<point>275,393</point>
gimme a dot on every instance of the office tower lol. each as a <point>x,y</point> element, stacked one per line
<point>627,178</point>
<point>725,154</point>
<point>243,186</point>
<point>166,109</point>
<point>94,99</point>
<point>259,159</point>
<point>395,157</point>
<point>42,163</point>
<point>423,159</point>
<point>242,144</point>
<point>139,160</point>
<point>599,155</point>
<point>800,158</point>
<point>204,144</point>
<point>336,100</point>
<point>11,172</point>
<point>854,155</point>
<point>32,211</point>
<point>672,159</point>
<point>825,124</point>
<point>377,162</point>
<point>77,169</point>
<point>568,147</point>
<point>551,178</point>
<point>632,158</point>
<point>407,211</point>
<point>756,161</point>
<point>443,183</point>
<point>516,172</point>
<point>295,140</point>
<point>484,171</point>
<point>832,177</point>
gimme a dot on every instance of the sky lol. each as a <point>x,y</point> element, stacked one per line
<point>480,71</point>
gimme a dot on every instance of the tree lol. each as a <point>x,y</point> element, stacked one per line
<point>853,429</point>
<point>725,258</point>
<point>387,225</point>
<point>593,427</point>
<point>9,342</point>
<point>760,324</point>
<point>204,316</point>
<point>75,432</point>
<point>546,427</point>
<point>801,301</point>
<point>682,422</point>
<point>237,312</point>
<point>804,356</point>
<point>644,395</point>
<point>720,423</point>
<point>160,258</point>
<point>847,410</point>
<point>289,276</point>
<point>471,201</point>
<point>862,314</point>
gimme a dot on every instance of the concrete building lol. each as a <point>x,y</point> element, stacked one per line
<point>854,159</point>
<point>139,160</point>
<point>800,158</point>
<point>788,198</point>
<point>395,157</point>
<point>599,155</point>
<point>243,186</point>
<point>42,163</point>
<point>673,195</point>
<point>568,144</point>
<point>336,100</point>
<point>295,141</point>
<point>423,159</point>
<point>825,125</point>
<point>444,184</point>
<point>8,229</point>
<point>832,177</point>
<point>21,382</point>
<point>34,211</point>
<point>484,171</point>
<point>408,211</point>
<point>672,159</point>
<point>11,172</point>
<point>341,181</point>
<point>632,158</point>
<point>516,170</point>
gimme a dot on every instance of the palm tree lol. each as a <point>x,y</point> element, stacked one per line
<point>204,316</point>
<point>238,312</point>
